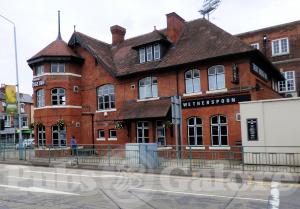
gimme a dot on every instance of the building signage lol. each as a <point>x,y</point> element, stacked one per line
<point>215,101</point>
<point>235,74</point>
<point>36,83</point>
<point>258,71</point>
<point>252,129</point>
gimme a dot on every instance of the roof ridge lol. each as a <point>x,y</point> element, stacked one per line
<point>80,33</point>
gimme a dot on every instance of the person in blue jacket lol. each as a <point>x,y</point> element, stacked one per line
<point>73,146</point>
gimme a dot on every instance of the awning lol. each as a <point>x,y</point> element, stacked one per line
<point>25,131</point>
<point>146,109</point>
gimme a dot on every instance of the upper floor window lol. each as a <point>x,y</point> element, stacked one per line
<point>7,121</point>
<point>216,78</point>
<point>58,96</point>
<point>148,88</point>
<point>280,46</point>
<point>255,45</point>
<point>40,98</point>
<point>106,97</point>
<point>192,81</point>
<point>24,121</point>
<point>219,130</point>
<point>195,134</point>
<point>39,70</point>
<point>289,84</point>
<point>149,53</point>
<point>57,68</point>
<point>22,107</point>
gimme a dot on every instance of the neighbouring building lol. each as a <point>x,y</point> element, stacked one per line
<point>10,134</point>
<point>270,131</point>
<point>281,44</point>
<point>120,92</point>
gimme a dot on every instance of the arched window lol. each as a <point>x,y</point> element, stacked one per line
<point>59,138</point>
<point>58,96</point>
<point>195,134</point>
<point>219,130</point>
<point>216,78</point>
<point>148,88</point>
<point>41,136</point>
<point>106,97</point>
<point>40,98</point>
<point>192,81</point>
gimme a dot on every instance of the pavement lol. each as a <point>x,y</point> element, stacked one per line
<point>43,187</point>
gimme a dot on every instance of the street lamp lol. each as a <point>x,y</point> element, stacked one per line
<point>18,89</point>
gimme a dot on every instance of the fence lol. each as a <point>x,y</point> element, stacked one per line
<point>273,159</point>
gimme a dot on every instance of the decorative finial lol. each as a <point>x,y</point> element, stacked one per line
<point>74,28</point>
<point>59,36</point>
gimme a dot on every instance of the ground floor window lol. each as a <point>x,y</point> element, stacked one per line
<point>59,138</point>
<point>195,134</point>
<point>160,133</point>
<point>41,136</point>
<point>143,132</point>
<point>112,134</point>
<point>219,130</point>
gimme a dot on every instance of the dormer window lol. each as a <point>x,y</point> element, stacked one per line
<point>57,68</point>
<point>149,53</point>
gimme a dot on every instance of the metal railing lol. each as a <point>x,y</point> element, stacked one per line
<point>255,158</point>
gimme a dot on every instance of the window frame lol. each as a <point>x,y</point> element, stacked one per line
<point>101,131</point>
<point>280,46</point>
<point>24,122</point>
<point>110,134</point>
<point>40,98</point>
<point>156,49</point>
<point>7,121</point>
<point>149,53</point>
<point>58,67</point>
<point>60,96</point>
<point>195,126</point>
<point>284,84</point>
<point>142,55</point>
<point>60,130</point>
<point>215,75</point>
<point>39,70</point>
<point>219,125</point>
<point>162,137</point>
<point>144,126</point>
<point>193,78</point>
<point>102,95</point>
<point>41,140</point>
<point>148,86</point>
<point>255,45</point>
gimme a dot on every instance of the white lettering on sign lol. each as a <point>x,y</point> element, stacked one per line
<point>38,83</point>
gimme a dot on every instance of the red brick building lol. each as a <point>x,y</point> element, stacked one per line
<point>120,93</point>
<point>281,44</point>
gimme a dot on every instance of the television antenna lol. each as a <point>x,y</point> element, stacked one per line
<point>209,6</point>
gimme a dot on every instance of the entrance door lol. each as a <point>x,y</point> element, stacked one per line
<point>143,132</point>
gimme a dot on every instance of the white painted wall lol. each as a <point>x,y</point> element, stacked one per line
<point>278,125</point>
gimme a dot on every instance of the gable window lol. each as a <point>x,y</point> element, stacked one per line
<point>192,81</point>
<point>289,84</point>
<point>148,88</point>
<point>59,138</point>
<point>106,97</point>
<point>160,133</point>
<point>39,70</point>
<point>41,136</point>
<point>280,46</point>
<point>195,134</point>
<point>142,55</point>
<point>216,78</point>
<point>255,45</point>
<point>40,98</point>
<point>156,52</point>
<point>219,130</point>
<point>57,68</point>
<point>149,53</point>
<point>58,96</point>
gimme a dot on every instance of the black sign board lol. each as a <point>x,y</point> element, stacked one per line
<point>226,100</point>
<point>252,129</point>
<point>235,74</point>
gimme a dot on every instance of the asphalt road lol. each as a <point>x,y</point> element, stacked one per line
<point>37,187</point>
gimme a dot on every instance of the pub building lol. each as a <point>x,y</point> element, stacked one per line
<point>120,92</point>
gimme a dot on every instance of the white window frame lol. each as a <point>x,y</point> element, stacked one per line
<point>41,132</point>
<point>7,121</point>
<point>111,137</point>
<point>106,91</point>
<point>142,55</point>
<point>215,76</point>
<point>280,47</point>
<point>150,86</point>
<point>149,52</point>
<point>24,122</point>
<point>101,138</point>
<point>219,126</point>
<point>39,70</point>
<point>60,131</point>
<point>61,68</point>
<point>193,78</point>
<point>60,97</point>
<point>284,84</point>
<point>161,139</point>
<point>142,125</point>
<point>195,126</point>
<point>22,107</point>
<point>255,45</point>
<point>156,51</point>
<point>40,98</point>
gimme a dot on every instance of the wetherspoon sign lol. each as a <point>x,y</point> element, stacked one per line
<point>215,101</point>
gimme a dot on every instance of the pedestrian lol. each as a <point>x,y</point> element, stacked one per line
<point>73,146</point>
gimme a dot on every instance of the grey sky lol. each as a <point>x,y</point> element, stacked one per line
<point>36,22</point>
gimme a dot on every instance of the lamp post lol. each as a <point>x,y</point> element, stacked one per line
<point>18,89</point>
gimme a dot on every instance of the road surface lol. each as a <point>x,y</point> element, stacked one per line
<point>39,187</point>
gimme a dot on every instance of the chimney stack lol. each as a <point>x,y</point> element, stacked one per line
<point>118,34</point>
<point>175,25</point>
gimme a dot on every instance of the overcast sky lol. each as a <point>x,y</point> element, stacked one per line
<point>36,22</point>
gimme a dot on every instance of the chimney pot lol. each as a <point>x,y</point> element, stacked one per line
<point>118,34</point>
